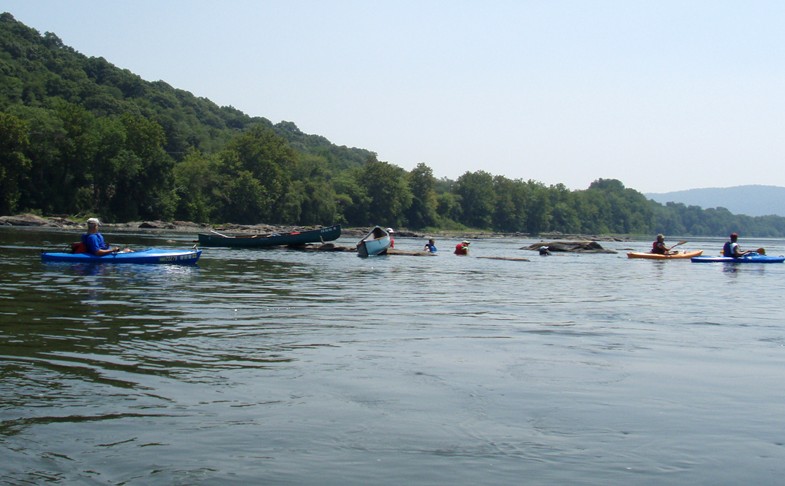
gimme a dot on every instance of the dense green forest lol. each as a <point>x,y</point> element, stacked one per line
<point>80,136</point>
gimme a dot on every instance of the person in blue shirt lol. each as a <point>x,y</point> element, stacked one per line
<point>430,246</point>
<point>94,241</point>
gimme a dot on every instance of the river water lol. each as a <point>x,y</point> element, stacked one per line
<point>289,367</point>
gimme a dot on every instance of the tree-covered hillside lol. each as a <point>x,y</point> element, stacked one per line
<point>81,136</point>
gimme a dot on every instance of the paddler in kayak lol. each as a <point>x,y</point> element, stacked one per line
<point>731,248</point>
<point>94,241</point>
<point>659,248</point>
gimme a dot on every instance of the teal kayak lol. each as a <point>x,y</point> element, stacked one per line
<point>751,258</point>
<point>295,238</point>
<point>149,256</point>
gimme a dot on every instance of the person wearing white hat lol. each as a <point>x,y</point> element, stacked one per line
<point>462,248</point>
<point>391,232</point>
<point>94,241</point>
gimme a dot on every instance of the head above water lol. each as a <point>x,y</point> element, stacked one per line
<point>660,237</point>
<point>733,236</point>
<point>93,222</point>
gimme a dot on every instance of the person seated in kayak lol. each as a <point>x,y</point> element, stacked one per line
<point>431,246</point>
<point>94,241</point>
<point>659,247</point>
<point>731,248</point>
<point>462,248</point>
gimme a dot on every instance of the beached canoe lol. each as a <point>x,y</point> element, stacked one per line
<point>674,256</point>
<point>294,238</point>
<point>751,258</point>
<point>149,256</point>
<point>375,243</point>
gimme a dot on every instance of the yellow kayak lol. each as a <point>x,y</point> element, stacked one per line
<point>672,256</point>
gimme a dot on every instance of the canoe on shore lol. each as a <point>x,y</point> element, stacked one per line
<point>149,256</point>
<point>673,256</point>
<point>294,238</point>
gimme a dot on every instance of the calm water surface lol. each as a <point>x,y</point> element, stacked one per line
<point>287,367</point>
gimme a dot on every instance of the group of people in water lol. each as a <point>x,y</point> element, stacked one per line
<point>729,249</point>
<point>93,242</point>
<point>461,248</point>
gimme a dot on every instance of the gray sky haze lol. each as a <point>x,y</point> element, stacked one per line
<point>664,96</point>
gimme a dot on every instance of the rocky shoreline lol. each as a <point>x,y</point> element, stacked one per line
<point>162,227</point>
<point>151,226</point>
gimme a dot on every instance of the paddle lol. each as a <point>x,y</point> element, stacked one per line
<point>219,234</point>
<point>759,251</point>
<point>677,244</point>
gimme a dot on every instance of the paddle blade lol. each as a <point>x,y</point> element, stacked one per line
<point>679,243</point>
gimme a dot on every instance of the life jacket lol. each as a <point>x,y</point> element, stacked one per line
<point>81,246</point>
<point>656,249</point>
<point>727,249</point>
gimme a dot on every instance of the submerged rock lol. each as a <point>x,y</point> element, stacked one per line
<point>570,246</point>
<point>506,259</point>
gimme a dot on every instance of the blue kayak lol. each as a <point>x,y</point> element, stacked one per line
<point>751,258</point>
<point>149,256</point>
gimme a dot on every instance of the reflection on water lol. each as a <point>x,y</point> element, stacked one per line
<point>281,366</point>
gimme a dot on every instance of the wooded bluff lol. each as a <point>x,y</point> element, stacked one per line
<point>80,136</point>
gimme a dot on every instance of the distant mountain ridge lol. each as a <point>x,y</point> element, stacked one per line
<point>752,200</point>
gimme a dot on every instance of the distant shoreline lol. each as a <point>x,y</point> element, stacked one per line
<point>179,227</point>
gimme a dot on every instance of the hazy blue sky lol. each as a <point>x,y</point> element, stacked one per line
<point>662,95</point>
